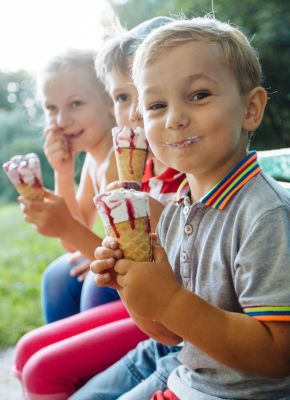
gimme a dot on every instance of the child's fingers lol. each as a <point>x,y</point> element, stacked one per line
<point>154,237</point>
<point>102,279</point>
<point>103,253</point>
<point>80,269</point>
<point>76,256</point>
<point>99,266</point>
<point>83,276</point>
<point>158,252</point>
<point>110,242</point>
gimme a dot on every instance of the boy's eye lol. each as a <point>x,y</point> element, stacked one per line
<point>199,96</point>
<point>122,98</point>
<point>156,106</point>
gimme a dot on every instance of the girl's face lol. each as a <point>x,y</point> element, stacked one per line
<point>76,107</point>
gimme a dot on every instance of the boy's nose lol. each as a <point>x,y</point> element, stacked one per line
<point>177,119</point>
<point>135,116</point>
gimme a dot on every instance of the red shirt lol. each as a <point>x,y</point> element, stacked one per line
<point>164,186</point>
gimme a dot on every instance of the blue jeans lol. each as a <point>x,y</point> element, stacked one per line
<point>136,376</point>
<point>63,295</point>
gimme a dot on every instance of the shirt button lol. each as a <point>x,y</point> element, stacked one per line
<point>185,209</point>
<point>188,229</point>
<point>183,256</point>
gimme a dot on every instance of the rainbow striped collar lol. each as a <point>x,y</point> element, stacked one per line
<point>221,194</point>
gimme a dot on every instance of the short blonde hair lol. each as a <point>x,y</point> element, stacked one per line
<point>70,59</point>
<point>115,54</point>
<point>237,51</point>
<point>113,57</point>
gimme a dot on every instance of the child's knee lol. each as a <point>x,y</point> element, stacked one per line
<point>24,349</point>
<point>39,374</point>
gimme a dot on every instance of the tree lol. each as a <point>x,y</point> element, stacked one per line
<point>267,22</point>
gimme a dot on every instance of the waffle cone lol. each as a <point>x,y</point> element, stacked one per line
<point>30,192</point>
<point>135,243</point>
<point>130,164</point>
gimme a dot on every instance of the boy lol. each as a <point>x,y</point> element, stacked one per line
<point>147,367</point>
<point>227,239</point>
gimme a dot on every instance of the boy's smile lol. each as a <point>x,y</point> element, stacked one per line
<point>193,110</point>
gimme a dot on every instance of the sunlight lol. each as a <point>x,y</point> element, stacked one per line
<point>37,29</point>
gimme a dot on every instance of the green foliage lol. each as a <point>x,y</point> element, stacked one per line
<point>267,22</point>
<point>23,257</point>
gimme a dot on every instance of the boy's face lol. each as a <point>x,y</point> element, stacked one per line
<point>125,98</point>
<point>193,111</point>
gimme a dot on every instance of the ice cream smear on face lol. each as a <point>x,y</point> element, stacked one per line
<point>24,170</point>
<point>122,205</point>
<point>131,148</point>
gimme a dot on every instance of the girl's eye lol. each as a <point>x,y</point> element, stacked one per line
<point>156,106</point>
<point>50,108</point>
<point>122,98</point>
<point>76,104</point>
<point>199,96</point>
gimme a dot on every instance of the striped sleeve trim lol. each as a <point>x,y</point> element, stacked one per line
<point>269,313</point>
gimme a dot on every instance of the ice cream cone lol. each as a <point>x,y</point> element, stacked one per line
<point>30,192</point>
<point>125,215</point>
<point>135,245</point>
<point>130,164</point>
<point>131,149</point>
<point>25,174</point>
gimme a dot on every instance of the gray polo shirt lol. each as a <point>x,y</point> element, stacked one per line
<point>238,259</point>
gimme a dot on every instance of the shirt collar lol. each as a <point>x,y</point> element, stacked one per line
<point>168,175</point>
<point>222,193</point>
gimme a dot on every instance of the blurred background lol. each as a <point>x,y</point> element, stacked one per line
<point>33,30</point>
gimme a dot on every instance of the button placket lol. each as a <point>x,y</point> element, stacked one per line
<point>188,229</point>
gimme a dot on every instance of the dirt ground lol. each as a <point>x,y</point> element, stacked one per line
<point>10,388</point>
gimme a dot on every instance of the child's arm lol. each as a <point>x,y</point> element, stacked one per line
<point>150,290</point>
<point>106,256</point>
<point>53,218</point>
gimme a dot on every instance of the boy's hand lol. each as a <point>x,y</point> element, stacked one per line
<point>147,287</point>
<point>57,152</point>
<point>50,217</point>
<point>106,257</point>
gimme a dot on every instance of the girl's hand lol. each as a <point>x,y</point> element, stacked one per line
<point>50,217</point>
<point>106,257</point>
<point>58,154</point>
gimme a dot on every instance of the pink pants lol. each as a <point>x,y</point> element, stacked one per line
<point>55,360</point>
<point>167,395</point>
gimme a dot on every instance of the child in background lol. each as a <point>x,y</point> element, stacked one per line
<point>45,358</point>
<point>79,116</point>
<point>227,239</point>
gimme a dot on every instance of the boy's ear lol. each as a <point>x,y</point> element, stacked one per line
<point>255,106</point>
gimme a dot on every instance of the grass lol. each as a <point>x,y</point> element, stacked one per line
<point>24,255</point>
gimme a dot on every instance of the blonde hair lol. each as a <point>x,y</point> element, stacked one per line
<point>68,60</point>
<point>113,57</point>
<point>237,51</point>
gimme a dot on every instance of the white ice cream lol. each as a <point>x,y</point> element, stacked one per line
<point>121,205</point>
<point>24,169</point>
<point>129,138</point>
